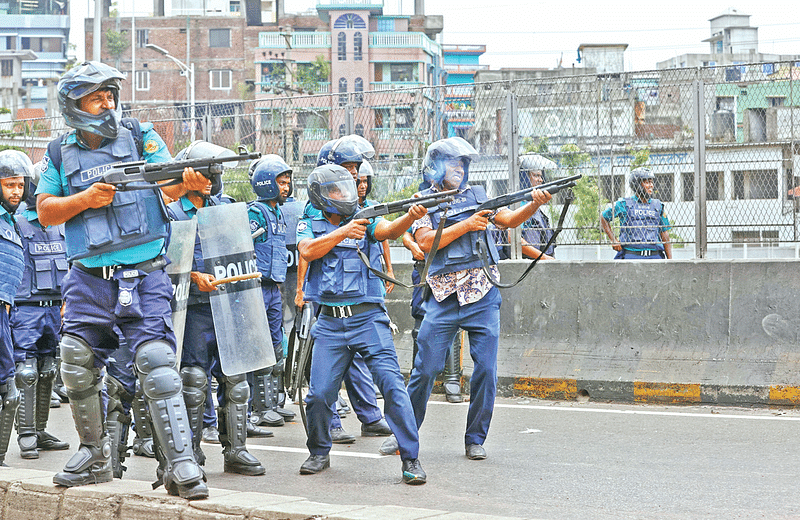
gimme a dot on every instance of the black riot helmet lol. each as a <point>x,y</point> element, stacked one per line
<point>81,81</point>
<point>14,163</point>
<point>332,189</point>
<point>637,177</point>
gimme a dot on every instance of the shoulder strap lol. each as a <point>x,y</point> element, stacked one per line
<point>132,124</point>
<point>54,151</point>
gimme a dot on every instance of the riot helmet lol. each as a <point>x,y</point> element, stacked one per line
<point>83,80</point>
<point>332,189</point>
<point>200,149</point>
<point>13,164</point>
<point>444,155</point>
<point>636,178</point>
<point>322,156</point>
<point>533,163</point>
<point>264,179</point>
<point>350,148</point>
<point>366,172</point>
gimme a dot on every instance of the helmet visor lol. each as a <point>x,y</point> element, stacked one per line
<point>341,191</point>
<point>356,145</point>
<point>536,162</point>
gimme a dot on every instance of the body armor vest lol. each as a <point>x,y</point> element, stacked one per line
<point>340,276</point>
<point>641,229</point>
<point>271,255</point>
<point>45,261</point>
<point>133,218</point>
<point>537,232</point>
<point>12,262</point>
<point>461,253</point>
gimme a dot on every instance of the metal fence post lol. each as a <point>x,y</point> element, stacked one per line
<point>512,129</point>
<point>349,125</point>
<point>700,226</point>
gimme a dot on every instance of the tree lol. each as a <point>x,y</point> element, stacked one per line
<point>117,42</point>
<point>587,194</point>
<point>309,76</point>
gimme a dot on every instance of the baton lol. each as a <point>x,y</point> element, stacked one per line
<point>260,231</point>
<point>237,278</point>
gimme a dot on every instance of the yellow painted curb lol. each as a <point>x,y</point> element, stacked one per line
<point>674,393</point>
<point>546,388</point>
<point>784,394</point>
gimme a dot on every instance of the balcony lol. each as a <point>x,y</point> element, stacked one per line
<point>464,69</point>
<point>299,40</point>
<point>395,85</point>
<point>395,40</point>
<point>316,134</point>
<point>346,4</point>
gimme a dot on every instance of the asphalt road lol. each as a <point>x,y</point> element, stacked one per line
<point>547,460</point>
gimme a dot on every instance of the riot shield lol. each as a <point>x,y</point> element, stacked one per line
<point>240,319</point>
<point>180,253</point>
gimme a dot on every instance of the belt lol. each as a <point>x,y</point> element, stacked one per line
<point>345,311</point>
<point>645,252</point>
<point>106,272</point>
<point>43,303</point>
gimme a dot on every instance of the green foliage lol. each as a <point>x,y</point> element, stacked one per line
<point>640,157</point>
<point>587,194</point>
<point>117,42</point>
<point>237,185</point>
<point>540,145</point>
<point>10,147</point>
<point>309,76</point>
<point>4,110</point>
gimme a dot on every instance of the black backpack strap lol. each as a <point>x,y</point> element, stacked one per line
<point>132,124</point>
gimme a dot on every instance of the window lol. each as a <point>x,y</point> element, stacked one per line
<point>662,188</point>
<point>358,86</point>
<point>777,101</point>
<point>386,25</point>
<point>142,80</point>
<point>612,187</point>
<point>758,184</point>
<point>273,73</point>
<point>341,131</point>
<point>342,92</point>
<point>726,103</point>
<point>357,43</point>
<point>219,79</point>
<point>349,21</point>
<point>142,37</point>
<point>714,186</point>
<point>402,118</point>
<point>41,44</point>
<point>342,46</point>
<point>6,68</point>
<point>755,238</point>
<point>360,129</point>
<point>235,6</point>
<point>402,72</point>
<point>219,37</point>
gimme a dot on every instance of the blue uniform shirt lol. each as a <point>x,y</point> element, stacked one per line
<point>55,183</point>
<point>256,216</point>
<point>304,231</point>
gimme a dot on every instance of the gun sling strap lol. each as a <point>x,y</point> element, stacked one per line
<point>424,274</point>
<point>485,256</point>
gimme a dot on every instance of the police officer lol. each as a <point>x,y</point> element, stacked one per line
<point>35,322</point>
<point>352,316</point>
<point>116,243</point>
<point>451,376</point>
<point>536,231</point>
<point>461,293</point>
<point>351,153</point>
<point>15,176</point>
<point>272,183</point>
<point>200,354</point>
<point>644,228</point>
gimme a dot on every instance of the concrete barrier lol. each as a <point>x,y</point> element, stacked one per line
<point>684,331</point>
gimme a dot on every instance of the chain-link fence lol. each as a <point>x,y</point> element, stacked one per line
<point>600,126</point>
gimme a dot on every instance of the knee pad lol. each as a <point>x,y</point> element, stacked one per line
<point>153,355</point>
<point>236,389</point>
<point>155,362</point>
<point>27,375</point>
<point>10,400</point>
<point>77,364</point>
<point>48,368</point>
<point>195,385</point>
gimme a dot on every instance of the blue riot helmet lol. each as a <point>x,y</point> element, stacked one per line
<point>331,188</point>
<point>14,163</point>
<point>434,166</point>
<point>204,150</point>
<point>83,80</point>
<point>267,170</point>
<point>252,169</point>
<point>350,148</point>
<point>533,163</point>
<point>635,181</point>
<point>365,171</point>
<point>324,152</point>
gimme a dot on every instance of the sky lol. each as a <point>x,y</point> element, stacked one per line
<point>537,34</point>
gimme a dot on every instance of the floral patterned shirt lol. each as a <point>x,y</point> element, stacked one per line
<point>470,285</point>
